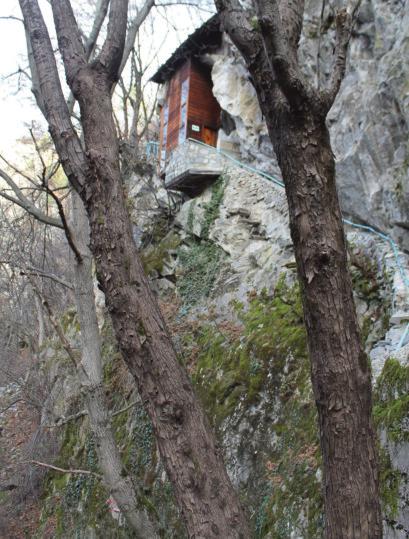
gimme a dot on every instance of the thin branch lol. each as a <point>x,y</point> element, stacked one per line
<point>84,413</point>
<point>319,43</point>
<point>25,203</point>
<point>60,207</point>
<point>18,171</point>
<point>63,470</point>
<point>56,325</point>
<point>68,419</point>
<point>12,17</point>
<point>125,409</point>
<point>11,404</point>
<point>133,30</point>
<point>101,10</point>
<point>41,273</point>
<point>56,112</point>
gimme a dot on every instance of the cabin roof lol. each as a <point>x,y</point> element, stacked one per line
<point>205,39</point>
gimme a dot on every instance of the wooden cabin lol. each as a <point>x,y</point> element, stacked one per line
<point>189,109</point>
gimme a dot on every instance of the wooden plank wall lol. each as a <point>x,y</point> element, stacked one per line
<point>203,108</point>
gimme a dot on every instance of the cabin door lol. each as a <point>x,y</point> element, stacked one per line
<point>209,136</point>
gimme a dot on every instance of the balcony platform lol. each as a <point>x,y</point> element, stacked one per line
<point>192,166</point>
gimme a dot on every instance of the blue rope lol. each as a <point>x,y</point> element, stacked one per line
<point>384,237</point>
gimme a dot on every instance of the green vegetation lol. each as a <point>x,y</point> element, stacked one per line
<point>154,256</point>
<point>389,484</point>
<point>200,260</point>
<point>391,412</point>
<point>364,272</point>
<point>391,400</point>
<point>233,366</point>
<point>212,207</point>
<point>268,353</point>
<point>200,264</point>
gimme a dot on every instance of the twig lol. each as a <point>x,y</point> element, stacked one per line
<point>84,413</point>
<point>44,183</point>
<point>41,273</point>
<point>58,329</point>
<point>72,417</point>
<point>62,470</point>
<point>10,405</point>
<point>122,410</point>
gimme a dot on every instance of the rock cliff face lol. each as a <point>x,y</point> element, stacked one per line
<point>240,225</point>
<point>369,122</point>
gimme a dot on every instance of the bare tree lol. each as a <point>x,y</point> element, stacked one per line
<point>295,114</point>
<point>187,445</point>
<point>90,368</point>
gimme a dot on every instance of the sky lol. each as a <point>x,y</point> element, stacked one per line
<point>17,109</point>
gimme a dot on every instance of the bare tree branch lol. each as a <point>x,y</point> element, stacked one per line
<point>69,38</point>
<point>25,203</point>
<point>133,30</point>
<point>343,35</point>
<point>283,50</point>
<point>12,17</point>
<point>63,470</point>
<point>56,112</point>
<point>83,413</point>
<point>113,48</point>
<point>56,325</point>
<point>100,14</point>
<point>58,202</point>
<point>41,273</point>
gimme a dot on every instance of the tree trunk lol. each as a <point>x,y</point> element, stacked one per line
<point>187,445</point>
<point>339,366</point>
<point>295,115</point>
<point>90,373</point>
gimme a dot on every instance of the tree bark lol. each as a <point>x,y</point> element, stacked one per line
<point>340,370</point>
<point>295,116</point>
<point>186,442</point>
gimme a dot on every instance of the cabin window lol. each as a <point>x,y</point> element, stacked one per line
<point>164,134</point>
<point>184,92</point>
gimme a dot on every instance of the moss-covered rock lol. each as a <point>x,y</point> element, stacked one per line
<point>391,400</point>
<point>254,380</point>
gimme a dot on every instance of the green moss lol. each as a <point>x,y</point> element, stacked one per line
<point>391,400</point>
<point>69,319</point>
<point>199,265</point>
<point>190,216</point>
<point>231,369</point>
<point>389,485</point>
<point>212,208</point>
<point>365,280</point>
<point>154,256</point>
<point>269,353</point>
